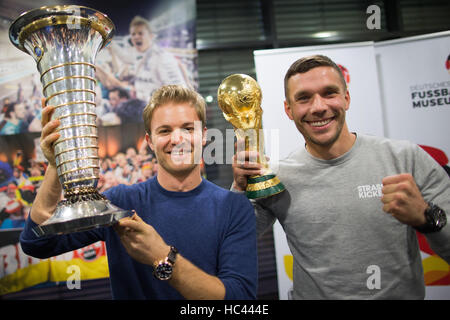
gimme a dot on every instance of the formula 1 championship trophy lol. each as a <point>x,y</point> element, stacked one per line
<point>239,97</point>
<point>64,41</point>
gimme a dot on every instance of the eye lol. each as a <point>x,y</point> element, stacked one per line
<point>188,129</point>
<point>163,131</point>
<point>302,98</point>
<point>331,92</point>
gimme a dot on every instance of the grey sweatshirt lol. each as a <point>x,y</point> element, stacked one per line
<point>335,226</point>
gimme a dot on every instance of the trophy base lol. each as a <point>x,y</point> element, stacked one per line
<point>81,216</point>
<point>263,186</point>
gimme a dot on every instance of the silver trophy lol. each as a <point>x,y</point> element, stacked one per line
<point>64,41</point>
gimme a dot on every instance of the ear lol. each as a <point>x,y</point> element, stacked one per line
<point>205,134</point>
<point>288,110</point>
<point>347,100</point>
<point>149,141</point>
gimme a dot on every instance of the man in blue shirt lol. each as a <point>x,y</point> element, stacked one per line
<point>206,235</point>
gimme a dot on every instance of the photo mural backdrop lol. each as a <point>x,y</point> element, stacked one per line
<point>154,45</point>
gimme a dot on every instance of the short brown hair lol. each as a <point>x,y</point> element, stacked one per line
<point>174,94</point>
<point>305,64</point>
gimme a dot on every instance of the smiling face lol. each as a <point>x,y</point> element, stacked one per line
<point>177,137</point>
<point>317,102</point>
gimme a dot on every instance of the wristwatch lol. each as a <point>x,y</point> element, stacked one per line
<point>436,219</point>
<point>163,269</point>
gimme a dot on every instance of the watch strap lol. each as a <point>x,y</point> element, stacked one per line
<point>172,256</point>
<point>436,219</point>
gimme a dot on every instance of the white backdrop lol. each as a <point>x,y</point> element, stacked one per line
<point>415,66</point>
<point>373,90</point>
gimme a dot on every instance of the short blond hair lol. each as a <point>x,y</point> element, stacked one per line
<point>139,21</point>
<point>174,94</point>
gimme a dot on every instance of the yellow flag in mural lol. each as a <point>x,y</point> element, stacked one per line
<point>19,271</point>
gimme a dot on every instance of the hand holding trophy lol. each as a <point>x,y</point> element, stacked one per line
<point>239,97</point>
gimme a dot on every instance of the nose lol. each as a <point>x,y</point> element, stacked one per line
<point>176,137</point>
<point>318,104</point>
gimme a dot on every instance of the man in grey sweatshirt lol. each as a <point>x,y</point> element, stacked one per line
<point>353,202</point>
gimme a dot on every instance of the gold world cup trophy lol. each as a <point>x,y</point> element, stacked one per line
<point>64,41</point>
<point>239,97</point>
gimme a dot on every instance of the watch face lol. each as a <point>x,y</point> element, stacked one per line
<point>163,271</point>
<point>436,218</point>
<point>440,218</point>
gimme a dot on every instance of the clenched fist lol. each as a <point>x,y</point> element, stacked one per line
<point>403,200</point>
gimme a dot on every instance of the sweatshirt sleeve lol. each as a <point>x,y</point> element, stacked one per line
<point>434,184</point>
<point>50,246</point>
<point>238,265</point>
